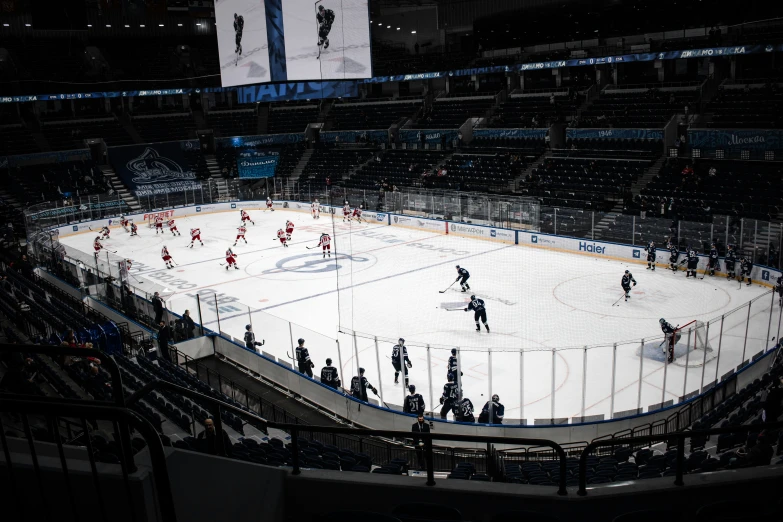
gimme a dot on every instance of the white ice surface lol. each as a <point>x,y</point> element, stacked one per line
<point>389,280</point>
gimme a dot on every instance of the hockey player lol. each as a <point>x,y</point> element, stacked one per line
<point>713,262</point>
<point>672,338</point>
<point>231,259</point>
<point>626,284</point>
<point>303,359</point>
<point>315,209</point>
<point>746,267</point>
<point>693,263</point>
<point>479,312</point>
<point>173,228</point>
<point>449,397</point>
<point>674,254</point>
<point>281,237</point>
<point>462,276</point>
<point>464,411</point>
<point>241,229</point>
<point>414,403</point>
<point>245,216</point>
<point>325,19</point>
<point>325,242</point>
<point>359,385</point>
<point>779,288</point>
<point>250,339</point>
<point>357,213</point>
<point>158,224</point>
<point>400,349</point>
<point>134,229</point>
<point>731,262</point>
<point>239,26</point>
<point>452,367</point>
<point>105,232</point>
<point>124,222</point>
<point>164,253</point>
<point>97,246</point>
<point>195,235</point>
<point>269,204</point>
<point>329,375</point>
<point>346,212</point>
<point>289,229</point>
<point>498,411</point>
<point>651,255</point>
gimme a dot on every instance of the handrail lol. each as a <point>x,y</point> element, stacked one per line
<point>680,436</point>
<point>118,414</point>
<point>427,438</point>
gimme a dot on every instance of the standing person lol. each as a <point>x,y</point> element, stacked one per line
<point>157,307</point>
<point>325,19</point>
<point>693,263</point>
<point>158,224</point>
<point>651,255</point>
<point>713,259</point>
<point>164,254</point>
<point>173,228</point>
<point>207,439</point>
<point>244,216</point>
<point>449,397</point>
<point>674,254</point>
<point>479,312</point>
<point>731,262</point>
<point>303,359</point>
<point>134,230</point>
<point>346,212</point>
<point>239,26</point>
<point>462,276</point>
<point>498,411</point>
<point>188,324</point>
<point>250,338</point>
<point>325,242</point>
<point>231,259</point>
<point>420,427</point>
<point>269,204</point>
<point>746,265</point>
<point>164,336</point>
<point>359,385</point>
<point>464,411</point>
<point>452,367</point>
<point>400,355</point>
<point>329,376</point>
<point>195,235</point>
<point>315,209</point>
<point>241,230</point>
<point>414,403</point>
<point>289,229</point>
<point>672,338</point>
<point>281,236</point>
<point>97,246</point>
<point>626,283</point>
<point>357,213</point>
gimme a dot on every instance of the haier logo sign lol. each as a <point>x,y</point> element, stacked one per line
<point>591,247</point>
<point>493,233</point>
<point>765,275</point>
<point>637,254</point>
<point>198,209</point>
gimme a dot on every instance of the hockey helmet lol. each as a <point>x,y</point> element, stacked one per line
<point>235,15</point>
<point>241,210</point>
<point>473,298</point>
<point>662,320</point>
<point>457,267</point>
<point>453,351</point>
<point>412,388</point>
<point>97,238</point>
<point>361,371</point>
<point>451,376</point>
<point>401,340</point>
<point>627,272</point>
<point>496,398</point>
<point>248,327</point>
<point>328,362</point>
<point>361,206</point>
<point>320,7</point>
<point>300,341</point>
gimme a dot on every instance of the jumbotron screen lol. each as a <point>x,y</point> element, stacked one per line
<point>292,40</point>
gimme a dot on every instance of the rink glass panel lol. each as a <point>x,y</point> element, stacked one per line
<point>593,377</point>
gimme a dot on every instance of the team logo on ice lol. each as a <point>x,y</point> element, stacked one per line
<point>151,167</point>
<point>315,264</point>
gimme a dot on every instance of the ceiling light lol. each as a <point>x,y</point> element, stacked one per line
<point>388,27</point>
<point>160,25</point>
<point>198,24</point>
<point>126,25</point>
<point>413,32</point>
<point>380,24</point>
<point>5,25</point>
<point>179,25</point>
<point>398,28</point>
<point>27,25</point>
<point>108,25</point>
<point>142,25</point>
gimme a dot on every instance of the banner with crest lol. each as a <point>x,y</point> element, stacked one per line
<point>158,168</point>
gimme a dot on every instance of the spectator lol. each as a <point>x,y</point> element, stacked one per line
<point>713,171</point>
<point>207,439</point>
<point>188,324</point>
<point>157,306</point>
<point>760,454</point>
<point>164,336</point>
<point>420,427</point>
<point>498,411</point>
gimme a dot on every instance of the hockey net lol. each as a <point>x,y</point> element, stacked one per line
<point>692,347</point>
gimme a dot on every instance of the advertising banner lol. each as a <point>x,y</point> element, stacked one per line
<point>257,164</point>
<point>153,169</point>
<point>430,135</point>
<point>360,136</point>
<point>238,142</point>
<point>615,134</point>
<point>510,133</point>
<point>746,139</point>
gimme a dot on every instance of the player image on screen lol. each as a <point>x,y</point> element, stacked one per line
<point>327,39</point>
<point>242,42</point>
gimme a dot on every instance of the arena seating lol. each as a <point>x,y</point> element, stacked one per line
<point>168,127</point>
<point>641,108</point>
<point>522,146</point>
<point>287,162</point>
<point>479,172</point>
<point>520,110</point>
<point>233,122</point>
<point>332,162</point>
<point>360,116</point>
<point>286,119</point>
<point>71,135</point>
<point>449,113</point>
<point>617,148</point>
<point>16,139</point>
<point>396,168</point>
<point>739,188</point>
<point>747,106</point>
<point>57,181</point>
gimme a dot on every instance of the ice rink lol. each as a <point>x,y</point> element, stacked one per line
<point>348,55</point>
<point>253,65</point>
<point>550,313</point>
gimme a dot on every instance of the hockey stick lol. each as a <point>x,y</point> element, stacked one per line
<point>454,309</point>
<point>613,304</point>
<point>444,291</point>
